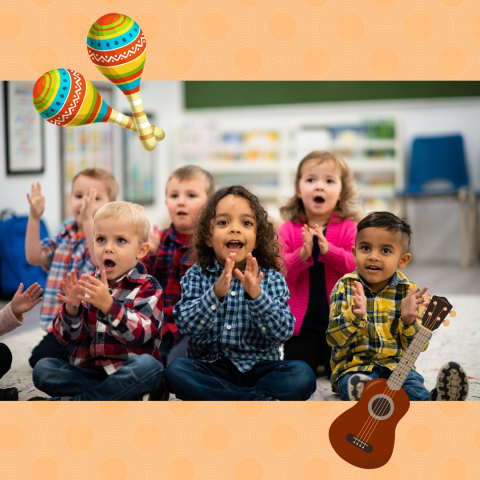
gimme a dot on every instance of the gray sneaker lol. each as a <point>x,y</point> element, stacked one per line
<point>355,386</point>
<point>452,383</point>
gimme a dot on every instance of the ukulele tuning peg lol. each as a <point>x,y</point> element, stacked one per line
<point>427,297</point>
<point>453,313</point>
<point>421,308</point>
<point>446,323</point>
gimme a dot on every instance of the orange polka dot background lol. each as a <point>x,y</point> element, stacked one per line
<point>254,39</point>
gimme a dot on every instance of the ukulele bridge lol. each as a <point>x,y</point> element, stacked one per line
<point>359,443</point>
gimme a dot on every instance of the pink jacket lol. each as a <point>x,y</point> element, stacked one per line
<point>338,261</point>
<point>8,321</point>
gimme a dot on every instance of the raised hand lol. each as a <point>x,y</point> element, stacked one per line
<point>71,290</point>
<point>36,201</point>
<point>99,295</point>
<point>251,279</point>
<point>359,300</point>
<point>154,241</point>
<point>223,283</point>
<point>86,210</point>
<point>306,249</point>
<point>411,303</point>
<point>24,302</point>
<point>322,241</point>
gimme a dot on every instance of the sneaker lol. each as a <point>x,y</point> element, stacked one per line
<point>452,383</point>
<point>9,394</point>
<point>355,386</point>
<point>145,397</point>
<point>52,399</point>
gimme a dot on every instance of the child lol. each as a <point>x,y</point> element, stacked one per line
<point>91,188</point>
<point>11,317</point>
<point>373,316</point>
<point>317,240</point>
<point>235,316</point>
<point>187,190</point>
<point>113,319</point>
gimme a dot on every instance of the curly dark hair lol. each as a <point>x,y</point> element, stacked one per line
<point>267,251</point>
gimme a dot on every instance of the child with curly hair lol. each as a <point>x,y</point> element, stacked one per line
<point>234,308</point>
<point>317,239</point>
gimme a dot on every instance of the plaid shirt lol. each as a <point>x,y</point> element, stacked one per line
<point>67,251</point>
<point>244,330</point>
<point>168,266</point>
<point>379,338</point>
<point>132,326</point>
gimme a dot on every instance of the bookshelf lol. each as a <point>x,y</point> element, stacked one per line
<point>262,152</point>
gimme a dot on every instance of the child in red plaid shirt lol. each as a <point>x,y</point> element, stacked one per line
<point>114,318</point>
<point>170,257</point>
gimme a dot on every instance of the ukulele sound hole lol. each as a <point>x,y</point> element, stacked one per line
<point>381,407</point>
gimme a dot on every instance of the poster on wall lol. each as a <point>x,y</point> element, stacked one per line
<point>138,167</point>
<point>87,146</point>
<point>23,130</point>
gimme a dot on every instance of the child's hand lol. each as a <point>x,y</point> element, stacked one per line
<point>307,237</point>
<point>71,288</point>
<point>99,296</point>
<point>86,210</point>
<point>36,201</point>
<point>24,302</point>
<point>410,305</point>
<point>322,241</point>
<point>359,300</point>
<point>223,283</point>
<point>251,280</point>
<point>154,241</point>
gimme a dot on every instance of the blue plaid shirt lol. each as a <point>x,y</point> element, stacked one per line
<point>244,330</point>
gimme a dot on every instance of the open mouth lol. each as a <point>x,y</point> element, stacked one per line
<point>109,265</point>
<point>235,245</point>
<point>373,268</point>
<point>319,200</point>
<point>181,214</point>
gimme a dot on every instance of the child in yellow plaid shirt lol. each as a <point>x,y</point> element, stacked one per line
<point>374,316</point>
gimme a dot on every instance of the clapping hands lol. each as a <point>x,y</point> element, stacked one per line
<point>24,302</point>
<point>410,305</point>
<point>359,300</point>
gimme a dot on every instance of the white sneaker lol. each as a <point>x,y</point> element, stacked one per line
<point>355,386</point>
<point>146,397</point>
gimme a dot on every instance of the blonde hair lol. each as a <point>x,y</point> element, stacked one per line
<point>106,177</point>
<point>349,204</point>
<point>192,172</point>
<point>130,212</point>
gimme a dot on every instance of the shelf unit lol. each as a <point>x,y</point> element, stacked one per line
<point>262,152</point>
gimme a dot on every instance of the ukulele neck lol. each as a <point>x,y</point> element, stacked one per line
<point>409,358</point>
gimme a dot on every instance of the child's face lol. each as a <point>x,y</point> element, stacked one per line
<point>378,253</point>
<point>184,200</point>
<point>117,247</point>
<point>319,188</point>
<point>81,189</point>
<point>233,230</point>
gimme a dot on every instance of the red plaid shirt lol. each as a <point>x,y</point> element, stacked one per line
<point>133,325</point>
<point>168,266</point>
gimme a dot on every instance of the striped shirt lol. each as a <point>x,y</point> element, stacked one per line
<point>67,251</point>
<point>244,330</point>
<point>379,338</point>
<point>133,326</point>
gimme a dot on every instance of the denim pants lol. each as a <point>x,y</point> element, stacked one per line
<point>413,384</point>
<point>193,379</point>
<point>139,375</point>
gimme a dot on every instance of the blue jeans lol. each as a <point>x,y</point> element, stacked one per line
<point>139,375</point>
<point>413,384</point>
<point>193,379</point>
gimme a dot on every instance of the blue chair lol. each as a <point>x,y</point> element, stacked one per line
<point>437,168</point>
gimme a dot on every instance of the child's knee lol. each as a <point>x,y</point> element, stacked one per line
<point>43,368</point>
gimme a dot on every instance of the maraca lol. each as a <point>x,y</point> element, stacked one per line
<point>117,47</point>
<point>66,98</point>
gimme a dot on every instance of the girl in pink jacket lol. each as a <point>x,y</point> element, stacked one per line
<point>11,317</point>
<point>317,240</point>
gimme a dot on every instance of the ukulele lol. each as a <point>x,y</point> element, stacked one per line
<point>364,435</point>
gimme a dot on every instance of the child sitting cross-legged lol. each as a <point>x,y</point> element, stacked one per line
<point>374,316</point>
<point>234,308</point>
<point>114,318</point>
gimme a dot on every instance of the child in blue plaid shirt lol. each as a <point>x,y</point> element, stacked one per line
<point>234,309</point>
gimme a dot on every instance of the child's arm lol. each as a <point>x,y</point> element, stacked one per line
<point>295,264</point>
<point>86,213</point>
<point>347,317</point>
<point>33,244</point>
<point>133,322</point>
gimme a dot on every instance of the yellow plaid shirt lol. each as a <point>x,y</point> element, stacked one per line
<point>379,338</point>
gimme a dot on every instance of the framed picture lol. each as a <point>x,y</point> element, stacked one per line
<point>138,168</point>
<point>24,144</point>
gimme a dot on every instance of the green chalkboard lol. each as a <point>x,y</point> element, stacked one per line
<point>234,94</point>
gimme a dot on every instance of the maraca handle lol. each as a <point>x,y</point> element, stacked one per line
<point>117,118</point>
<point>145,131</point>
